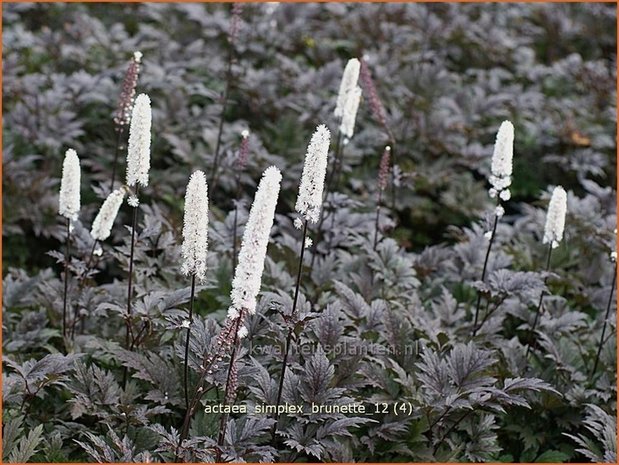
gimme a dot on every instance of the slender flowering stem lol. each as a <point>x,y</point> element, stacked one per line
<point>608,308</point>
<point>328,185</point>
<point>232,34</point>
<point>228,392</point>
<point>290,331</point>
<point>483,272</point>
<point>67,257</point>
<point>120,131</point>
<point>128,324</point>
<point>377,220</point>
<point>235,224</point>
<point>539,305</point>
<point>224,106</point>
<point>186,372</point>
<point>383,174</point>
<point>208,365</point>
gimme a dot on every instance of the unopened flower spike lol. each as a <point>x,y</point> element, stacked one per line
<point>195,227</point>
<point>69,199</point>
<point>125,101</point>
<point>309,200</point>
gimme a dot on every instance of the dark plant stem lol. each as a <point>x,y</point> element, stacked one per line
<point>377,219</point>
<point>82,279</point>
<point>66,279</point>
<point>541,299</point>
<point>328,185</point>
<point>91,255</point>
<point>483,273</point>
<point>128,342</point>
<point>393,165</point>
<point>186,372</point>
<point>200,391</point>
<point>608,307</point>
<point>448,432</point>
<point>337,182</point>
<point>336,158</point>
<point>223,421</point>
<point>337,165</point>
<point>224,106</point>
<point>119,134</point>
<point>236,224</point>
<point>290,331</point>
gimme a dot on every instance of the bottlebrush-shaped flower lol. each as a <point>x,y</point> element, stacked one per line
<point>127,92</point>
<point>138,151</point>
<point>348,84</point>
<point>555,218</point>
<point>309,200</point>
<point>195,227</point>
<point>102,225</point>
<point>501,169</point>
<point>69,201</point>
<point>248,273</point>
<point>347,128</point>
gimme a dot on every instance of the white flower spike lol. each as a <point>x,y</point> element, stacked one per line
<point>138,151</point>
<point>69,200</point>
<point>348,84</point>
<point>555,218</point>
<point>248,273</point>
<point>347,128</point>
<point>195,227</point>
<point>502,165</point>
<point>102,225</point>
<point>309,200</point>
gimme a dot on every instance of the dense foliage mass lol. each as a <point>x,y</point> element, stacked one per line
<point>390,314</point>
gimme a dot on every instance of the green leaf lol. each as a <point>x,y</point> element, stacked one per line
<point>27,446</point>
<point>552,456</point>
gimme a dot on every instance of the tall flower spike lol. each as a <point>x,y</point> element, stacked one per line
<point>102,225</point>
<point>347,128</point>
<point>248,273</point>
<point>378,110</point>
<point>348,84</point>
<point>309,200</point>
<point>501,169</point>
<point>195,227</point>
<point>69,201</point>
<point>127,92</point>
<point>138,151</point>
<point>555,218</point>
